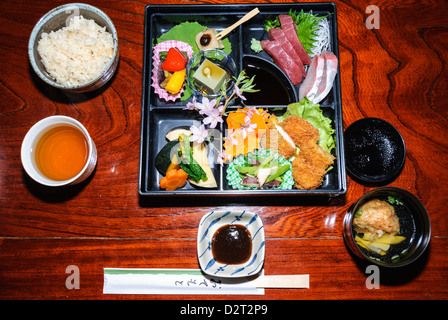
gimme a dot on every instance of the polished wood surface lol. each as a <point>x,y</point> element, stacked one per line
<point>397,73</point>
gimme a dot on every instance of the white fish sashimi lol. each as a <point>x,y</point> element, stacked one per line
<point>319,79</point>
<point>331,69</point>
<point>313,78</point>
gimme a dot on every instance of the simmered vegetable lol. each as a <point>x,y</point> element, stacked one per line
<point>175,178</point>
<point>180,153</point>
<point>176,81</point>
<point>165,156</point>
<point>187,161</point>
<point>175,60</point>
<point>376,244</point>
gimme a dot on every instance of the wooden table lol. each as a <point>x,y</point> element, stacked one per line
<point>397,73</point>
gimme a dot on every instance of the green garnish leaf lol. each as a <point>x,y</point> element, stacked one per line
<point>392,200</point>
<point>307,25</point>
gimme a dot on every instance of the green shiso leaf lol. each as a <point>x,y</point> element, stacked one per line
<point>307,25</point>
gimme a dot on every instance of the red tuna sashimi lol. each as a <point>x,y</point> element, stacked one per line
<point>289,27</point>
<point>279,35</point>
<point>283,60</point>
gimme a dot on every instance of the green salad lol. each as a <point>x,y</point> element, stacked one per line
<point>262,169</point>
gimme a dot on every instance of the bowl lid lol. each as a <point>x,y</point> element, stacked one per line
<point>374,150</point>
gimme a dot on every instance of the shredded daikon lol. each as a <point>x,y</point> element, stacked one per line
<point>322,38</point>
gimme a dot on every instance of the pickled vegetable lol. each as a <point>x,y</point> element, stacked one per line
<point>176,82</point>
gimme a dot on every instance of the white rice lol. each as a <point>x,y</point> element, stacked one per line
<point>78,53</point>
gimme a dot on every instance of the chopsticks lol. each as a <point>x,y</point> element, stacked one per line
<point>247,17</point>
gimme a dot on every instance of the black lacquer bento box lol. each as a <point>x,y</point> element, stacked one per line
<point>159,116</point>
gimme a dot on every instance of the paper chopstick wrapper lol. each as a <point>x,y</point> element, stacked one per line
<point>297,281</point>
<point>191,281</point>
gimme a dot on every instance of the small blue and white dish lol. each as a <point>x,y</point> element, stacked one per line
<point>208,227</point>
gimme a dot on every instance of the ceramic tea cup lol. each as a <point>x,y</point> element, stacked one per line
<point>58,151</point>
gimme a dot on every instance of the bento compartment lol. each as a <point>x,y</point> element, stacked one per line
<point>331,180</point>
<point>279,48</point>
<point>162,23</point>
<point>162,121</point>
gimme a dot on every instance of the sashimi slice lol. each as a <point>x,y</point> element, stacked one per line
<point>283,60</point>
<point>279,35</point>
<point>331,69</point>
<point>289,27</point>
<point>310,85</point>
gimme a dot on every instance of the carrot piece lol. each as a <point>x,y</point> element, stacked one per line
<point>236,120</point>
<point>174,179</point>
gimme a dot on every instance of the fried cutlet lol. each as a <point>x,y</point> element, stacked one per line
<point>310,164</point>
<point>300,130</point>
<point>274,140</point>
<point>317,154</point>
<point>306,174</point>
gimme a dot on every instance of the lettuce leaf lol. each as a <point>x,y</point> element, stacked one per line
<point>313,114</point>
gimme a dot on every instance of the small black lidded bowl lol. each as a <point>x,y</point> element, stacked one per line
<point>414,225</point>
<point>375,151</point>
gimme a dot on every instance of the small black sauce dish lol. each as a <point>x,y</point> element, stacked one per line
<point>375,151</point>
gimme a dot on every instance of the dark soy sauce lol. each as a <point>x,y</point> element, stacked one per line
<point>232,244</point>
<point>271,90</point>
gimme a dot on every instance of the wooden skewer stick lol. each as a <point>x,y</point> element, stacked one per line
<point>247,17</point>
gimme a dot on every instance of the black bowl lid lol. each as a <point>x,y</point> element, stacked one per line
<point>374,150</point>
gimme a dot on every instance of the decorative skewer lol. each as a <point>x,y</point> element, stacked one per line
<point>247,17</point>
